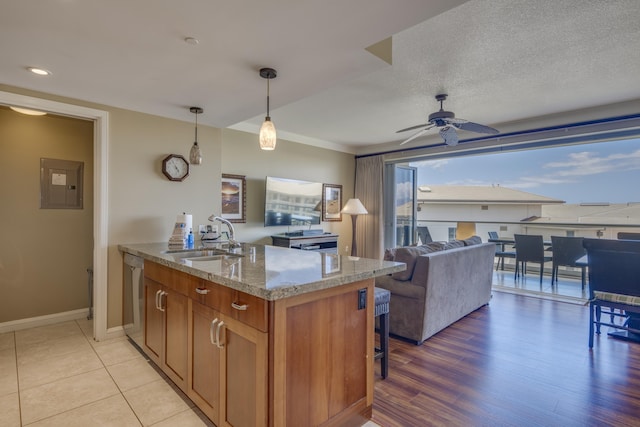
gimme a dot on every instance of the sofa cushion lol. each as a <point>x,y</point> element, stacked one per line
<point>389,254</point>
<point>433,247</point>
<point>397,288</point>
<point>408,255</point>
<point>473,240</point>
<point>453,244</point>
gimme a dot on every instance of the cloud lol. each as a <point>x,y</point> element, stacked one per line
<point>589,163</point>
<point>431,164</point>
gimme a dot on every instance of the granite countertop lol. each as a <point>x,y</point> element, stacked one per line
<point>268,272</point>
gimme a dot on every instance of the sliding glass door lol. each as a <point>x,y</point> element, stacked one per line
<point>400,205</point>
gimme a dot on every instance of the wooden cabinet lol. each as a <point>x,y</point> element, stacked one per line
<point>244,361</point>
<point>166,315</point>
<point>323,357</point>
<point>228,368</point>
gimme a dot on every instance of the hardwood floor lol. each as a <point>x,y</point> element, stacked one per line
<point>520,361</point>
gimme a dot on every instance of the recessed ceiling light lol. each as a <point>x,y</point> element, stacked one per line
<point>27,111</point>
<point>39,71</point>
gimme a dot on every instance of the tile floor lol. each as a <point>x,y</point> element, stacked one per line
<point>57,375</point>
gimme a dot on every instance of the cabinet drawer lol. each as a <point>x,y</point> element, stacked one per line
<point>250,309</point>
<point>173,279</point>
<point>246,308</point>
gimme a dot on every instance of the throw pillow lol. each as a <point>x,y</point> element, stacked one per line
<point>453,244</point>
<point>408,255</point>
<point>389,254</point>
<point>473,240</point>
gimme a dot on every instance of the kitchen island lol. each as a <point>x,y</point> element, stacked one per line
<point>262,335</point>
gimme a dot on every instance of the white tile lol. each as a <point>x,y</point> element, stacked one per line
<point>27,337</point>
<point>86,326</point>
<point>9,410</point>
<point>42,351</point>
<point>189,418</point>
<point>36,373</point>
<point>112,411</point>
<point>8,372</point>
<point>155,402</point>
<point>133,373</point>
<point>7,341</point>
<point>116,351</point>
<point>50,399</point>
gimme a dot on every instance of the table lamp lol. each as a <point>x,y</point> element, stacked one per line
<point>354,208</point>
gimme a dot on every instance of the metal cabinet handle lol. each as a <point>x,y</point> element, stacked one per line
<point>158,299</point>
<point>162,294</point>
<point>218,343</point>
<point>213,323</point>
<point>242,307</point>
<point>202,291</point>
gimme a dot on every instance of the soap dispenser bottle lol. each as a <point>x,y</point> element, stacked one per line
<point>190,241</point>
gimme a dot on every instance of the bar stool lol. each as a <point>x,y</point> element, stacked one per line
<point>382,298</point>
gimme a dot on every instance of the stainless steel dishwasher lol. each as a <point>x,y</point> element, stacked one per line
<point>133,298</point>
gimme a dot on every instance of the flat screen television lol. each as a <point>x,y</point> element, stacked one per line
<point>292,202</point>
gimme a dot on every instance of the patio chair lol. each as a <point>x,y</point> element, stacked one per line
<point>501,254</point>
<point>614,278</point>
<point>425,236</point>
<point>529,248</point>
<point>566,251</point>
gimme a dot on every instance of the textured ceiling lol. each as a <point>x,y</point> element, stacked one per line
<point>499,60</point>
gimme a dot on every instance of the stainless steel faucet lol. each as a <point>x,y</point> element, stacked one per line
<point>232,232</point>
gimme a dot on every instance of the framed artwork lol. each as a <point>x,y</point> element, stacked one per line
<point>331,202</point>
<point>234,198</point>
<point>331,264</point>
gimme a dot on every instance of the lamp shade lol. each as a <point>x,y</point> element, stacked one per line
<point>354,207</point>
<point>268,135</point>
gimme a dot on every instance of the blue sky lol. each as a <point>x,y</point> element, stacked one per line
<point>599,172</point>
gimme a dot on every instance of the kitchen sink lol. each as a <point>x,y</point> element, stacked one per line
<point>212,257</point>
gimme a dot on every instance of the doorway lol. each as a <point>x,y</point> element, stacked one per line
<point>100,213</point>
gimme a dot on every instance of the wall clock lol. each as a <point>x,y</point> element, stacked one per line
<point>175,167</point>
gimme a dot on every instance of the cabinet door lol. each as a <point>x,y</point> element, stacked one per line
<point>175,334</point>
<point>204,359</point>
<point>243,375</point>
<point>153,320</point>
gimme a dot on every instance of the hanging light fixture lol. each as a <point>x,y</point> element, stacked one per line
<point>195,157</point>
<point>268,130</point>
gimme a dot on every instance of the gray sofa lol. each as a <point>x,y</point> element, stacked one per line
<point>443,282</point>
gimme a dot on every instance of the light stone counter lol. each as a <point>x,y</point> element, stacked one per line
<point>268,272</point>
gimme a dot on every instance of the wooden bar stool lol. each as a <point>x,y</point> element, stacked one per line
<point>382,298</point>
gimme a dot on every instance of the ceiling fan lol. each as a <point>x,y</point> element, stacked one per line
<point>447,122</point>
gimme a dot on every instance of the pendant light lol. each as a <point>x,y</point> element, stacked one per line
<point>195,157</point>
<point>268,130</point>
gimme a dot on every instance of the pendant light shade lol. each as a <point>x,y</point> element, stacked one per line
<point>195,156</point>
<point>268,130</point>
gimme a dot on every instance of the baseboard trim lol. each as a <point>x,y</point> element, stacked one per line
<point>49,319</point>
<point>115,332</point>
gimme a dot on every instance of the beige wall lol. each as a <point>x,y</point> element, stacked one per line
<point>243,156</point>
<point>143,204</point>
<point>45,253</point>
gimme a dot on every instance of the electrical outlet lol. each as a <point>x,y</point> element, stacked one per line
<point>202,229</point>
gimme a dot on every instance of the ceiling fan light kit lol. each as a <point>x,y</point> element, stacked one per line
<point>448,123</point>
<point>268,130</point>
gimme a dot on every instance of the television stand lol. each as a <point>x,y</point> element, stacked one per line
<point>325,242</point>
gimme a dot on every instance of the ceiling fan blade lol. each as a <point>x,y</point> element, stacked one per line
<point>413,127</point>
<point>449,134</point>
<point>416,135</point>
<point>475,127</point>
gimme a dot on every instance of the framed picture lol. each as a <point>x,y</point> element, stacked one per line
<point>234,198</point>
<point>331,202</point>
<point>331,264</point>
